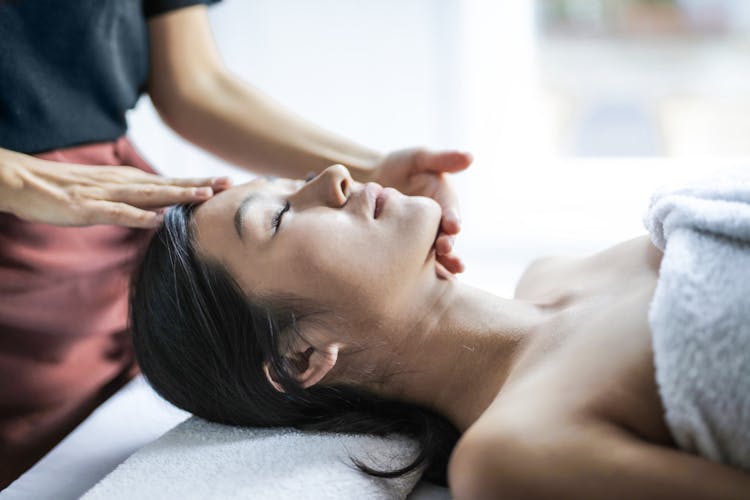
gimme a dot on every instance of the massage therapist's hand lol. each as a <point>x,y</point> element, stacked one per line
<point>419,172</point>
<point>67,194</point>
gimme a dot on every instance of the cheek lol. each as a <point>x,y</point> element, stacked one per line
<point>340,261</point>
<point>316,242</point>
<point>336,260</point>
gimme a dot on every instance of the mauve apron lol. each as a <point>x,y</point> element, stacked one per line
<point>65,346</point>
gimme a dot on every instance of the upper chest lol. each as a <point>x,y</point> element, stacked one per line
<point>593,359</point>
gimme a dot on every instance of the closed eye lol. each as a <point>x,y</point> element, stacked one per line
<point>277,218</point>
<point>276,222</point>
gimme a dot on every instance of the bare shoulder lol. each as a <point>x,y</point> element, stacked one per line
<point>578,459</point>
<point>635,252</point>
<point>486,460</point>
<point>543,277</point>
<point>503,453</point>
<point>551,278</point>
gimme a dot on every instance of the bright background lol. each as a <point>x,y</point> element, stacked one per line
<point>574,109</point>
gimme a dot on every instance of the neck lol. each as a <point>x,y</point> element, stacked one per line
<point>455,357</point>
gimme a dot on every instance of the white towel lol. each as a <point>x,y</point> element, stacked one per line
<point>700,314</point>
<point>204,460</point>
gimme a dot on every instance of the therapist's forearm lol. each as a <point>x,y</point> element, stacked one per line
<point>242,125</point>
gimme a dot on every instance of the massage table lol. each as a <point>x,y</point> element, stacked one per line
<point>132,418</point>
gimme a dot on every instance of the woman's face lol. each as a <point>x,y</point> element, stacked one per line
<point>346,246</point>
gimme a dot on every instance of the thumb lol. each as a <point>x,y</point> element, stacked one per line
<point>444,161</point>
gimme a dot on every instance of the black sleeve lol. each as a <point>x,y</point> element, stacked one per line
<point>155,7</point>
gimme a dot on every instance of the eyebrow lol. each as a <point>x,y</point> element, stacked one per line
<point>239,214</point>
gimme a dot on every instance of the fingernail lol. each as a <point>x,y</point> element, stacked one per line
<point>453,215</point>
<point>220,180</point>
<point>204,191</point>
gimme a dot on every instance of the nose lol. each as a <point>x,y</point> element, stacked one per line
<point>331,188</point>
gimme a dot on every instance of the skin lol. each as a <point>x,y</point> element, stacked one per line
<point>539,385</point>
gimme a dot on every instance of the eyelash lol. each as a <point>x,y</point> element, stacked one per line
<point>277,218</point>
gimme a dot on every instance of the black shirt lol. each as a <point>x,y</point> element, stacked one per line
<point>70,69</point>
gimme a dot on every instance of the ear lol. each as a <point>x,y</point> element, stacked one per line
<point>308,366</point>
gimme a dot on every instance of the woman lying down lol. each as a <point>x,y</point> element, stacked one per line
<point>316,305</point>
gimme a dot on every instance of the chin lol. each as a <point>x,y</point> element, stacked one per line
<point>424,222</point>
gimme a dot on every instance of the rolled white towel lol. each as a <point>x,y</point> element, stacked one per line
<point>700,314</point>
<point>204,460</point>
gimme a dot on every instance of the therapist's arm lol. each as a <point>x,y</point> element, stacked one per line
<point>202,101</point>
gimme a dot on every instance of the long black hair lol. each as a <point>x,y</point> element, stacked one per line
<point>201,343</point>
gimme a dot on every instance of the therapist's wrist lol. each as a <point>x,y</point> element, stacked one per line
<point>11,180</point>
<point>365,168</point>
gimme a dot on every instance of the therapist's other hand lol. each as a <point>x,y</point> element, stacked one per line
<point>65,194</point>
<point>420,172</point>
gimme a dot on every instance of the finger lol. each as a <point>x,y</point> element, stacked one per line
<point>442,272</point>
<point>120,214</point>
<point>222,182</point>
<point>217,183</point>
<point>450,221</point>
<point>451,262</point>
<point>150,195</point>
<point>444,244</point>
<point>448,162</point>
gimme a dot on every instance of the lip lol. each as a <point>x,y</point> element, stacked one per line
<point>374,192</point>
<point>382,199</point>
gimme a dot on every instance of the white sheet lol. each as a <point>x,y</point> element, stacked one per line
<point>200,460</point>
<point>129,420</point>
